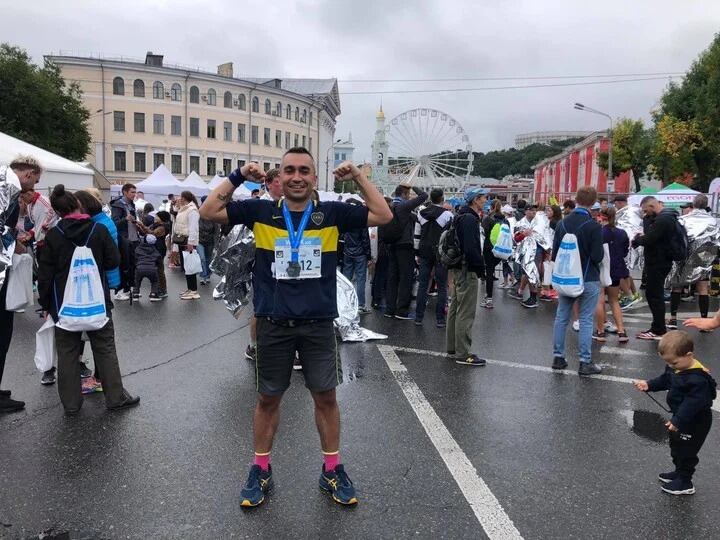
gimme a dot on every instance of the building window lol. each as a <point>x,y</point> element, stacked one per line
<point>266,166</point>
<point>120,161</point>
<point>211,129</point>
<point>158,159</point>
<point>278,109</point>
<point>227,166</point>
<point>288,112</point>
<point>255,104</point>
<point>304,140</point>
<point>241,133</point>
<point>118,87</point>
<point>311,120</point>
<point>139,88</point>
<point>337,156</point>
<point>266,136</point>
<point>176,164</point>
<point>241,163</point>
<point>297,141</point>
<point>176,125</point>
<point>287,140</point>
<point>254,135</point>
<point>278,138</point>
<point>176,92</point>
<point>212,97</point>
<point>310,146</point>
<point>268,107</point>
<point>194,94</point>
<point>195,163</point>
<point>194,127</point>
<point>119,120</point>
<point>158,90</point>
<point>343,156</point>
<point>159,124</point>
<point>227,131</point>
<point>227,100</point>
<point>139,161</point>
<point>211,166</point>
<point>304,116</point>
<point>242,104</point>
<point>139,122</point>
<point>297,114</point>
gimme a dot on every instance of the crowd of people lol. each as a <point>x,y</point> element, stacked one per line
<point>411,246</point>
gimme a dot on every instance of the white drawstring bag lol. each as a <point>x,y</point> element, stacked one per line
<point>504,244</point>
<point>547,273</point>
<point>20,283</point>
<point>45,353</point>
<point>83,306</point>
<point>605,278</point>
<point>193,264</point>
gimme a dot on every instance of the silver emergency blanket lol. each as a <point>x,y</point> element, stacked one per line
<point>9,188</point>
<point>629,219</point>
<point>233,260</point>
<point>540,235</point>
<point>703,237</point>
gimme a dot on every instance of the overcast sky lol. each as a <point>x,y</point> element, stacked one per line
<point>376,39</point>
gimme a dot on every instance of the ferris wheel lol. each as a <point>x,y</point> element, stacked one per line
<point>429,148</point>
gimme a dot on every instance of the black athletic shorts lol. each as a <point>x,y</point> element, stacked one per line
<point>316,347</point>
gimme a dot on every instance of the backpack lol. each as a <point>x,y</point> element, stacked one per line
<point>83,306</point>
<point>679,244</point>
<point>503,244</point>
<point>392,232</point>
<point>449,253</point>
<point>568,278</point>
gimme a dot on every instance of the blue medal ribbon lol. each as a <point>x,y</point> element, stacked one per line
<point>296,236</point>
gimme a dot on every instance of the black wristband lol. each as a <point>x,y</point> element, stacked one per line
<point>236,178</point>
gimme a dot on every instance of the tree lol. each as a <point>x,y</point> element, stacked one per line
<point>690,111</point>
<point>501,163</point>
<point>632,147</point>
<point>38,107</point>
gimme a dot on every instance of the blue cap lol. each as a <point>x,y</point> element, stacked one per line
<point>595,206</point>
<point>474,193</point>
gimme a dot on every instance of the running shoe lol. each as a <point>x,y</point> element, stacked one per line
<point>162,294</point>
<point>441,323</point>
<point>517,295</point>
<point>559,363</point>
<point>418,321</point>
<point>85,372</point>
<point>364,310</point>
<point>667,477</point>
<point>48,377</point>
<point>576,325</point>
<point>259,483</point>
<point>625,302</point>
<point>471,360</point>
<point>679,486</point>
<point>154,297</point>
<point>338,484</point>
<point>407,317</point>
<point>136,296</point>
<point>588,368</point>
<point>90,386</point>
<point>251,353</point>
<point>530,303</point>
<point>488,303</point>
<point>191,295</point>
<point>649,336</point>
<point>122,296</point>
<point>672,324</point>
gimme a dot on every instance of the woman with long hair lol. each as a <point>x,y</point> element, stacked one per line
<point>494,217</point>
<point>77,229</point>
<point>618,246</point>
<point>186,234</point>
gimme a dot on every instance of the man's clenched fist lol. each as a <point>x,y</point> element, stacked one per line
<point>347,170</point>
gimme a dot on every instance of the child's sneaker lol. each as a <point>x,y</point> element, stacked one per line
<point>667,477</point>
<point>91,385</point>
<point>679,486</point>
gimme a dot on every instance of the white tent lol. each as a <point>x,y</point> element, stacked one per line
<point>57,169</point>
<point>156,187</point>
<point>215,182</point>
<point>195,184</point>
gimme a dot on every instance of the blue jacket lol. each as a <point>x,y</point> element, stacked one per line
<point>590,241</point>
<point>690,392</point>
<point>113,276</point>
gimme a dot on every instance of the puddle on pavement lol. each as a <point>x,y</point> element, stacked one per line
<point>647,424</point>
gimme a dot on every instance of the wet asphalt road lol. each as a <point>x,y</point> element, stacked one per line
<point>564,457</point>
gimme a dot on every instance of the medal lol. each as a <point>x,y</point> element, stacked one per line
<point>293,269</point>
<point>295,237</point>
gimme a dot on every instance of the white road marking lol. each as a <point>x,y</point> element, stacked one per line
<point>488,511</point>
<point>532,367</point>
<point>621,351</point>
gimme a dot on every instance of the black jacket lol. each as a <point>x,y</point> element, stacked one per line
<point>55,257</point>
<point>404,209</point>
<point>656,237</point>
<point>487,224</point>
<point>467,227</point>
<point>207,231</point>
<point>146,256</point>
<point>357,243</point>
<point>689,392</point>
<point>590,241</point>
<point>118,212</point>
<point>430,231</point>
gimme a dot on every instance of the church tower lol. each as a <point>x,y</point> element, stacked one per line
<point>380,151</point>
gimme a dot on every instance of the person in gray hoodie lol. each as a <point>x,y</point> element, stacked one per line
<point>146,262</point>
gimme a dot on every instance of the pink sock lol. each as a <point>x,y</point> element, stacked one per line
<point>263,460</point>
<point>332,460</point>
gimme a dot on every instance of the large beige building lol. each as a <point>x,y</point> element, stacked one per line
<point>147,113</point>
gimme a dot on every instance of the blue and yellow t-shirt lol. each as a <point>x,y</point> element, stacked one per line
<point>295,299</point>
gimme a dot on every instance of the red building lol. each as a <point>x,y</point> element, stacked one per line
<point>577,166</point>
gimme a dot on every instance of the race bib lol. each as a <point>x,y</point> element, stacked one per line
<point>309,261</point>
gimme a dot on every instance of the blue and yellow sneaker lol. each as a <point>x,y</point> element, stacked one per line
<point>259,483</point>
<point>337,483</point>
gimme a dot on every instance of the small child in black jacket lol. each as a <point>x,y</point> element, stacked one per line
<point>691,391</point>
<point>146,261</point>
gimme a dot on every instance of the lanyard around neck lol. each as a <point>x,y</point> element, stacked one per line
<point>296,236</point>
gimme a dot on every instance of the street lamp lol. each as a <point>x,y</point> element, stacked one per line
<point>581,107</point>
<point>327,164</point>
